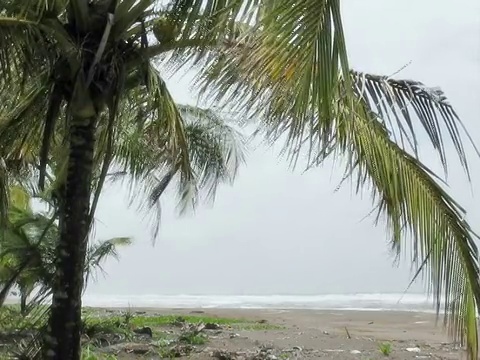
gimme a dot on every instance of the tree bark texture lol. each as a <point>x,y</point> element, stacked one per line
<point>63,339</point>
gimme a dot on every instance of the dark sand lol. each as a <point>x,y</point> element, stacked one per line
<point>310,334</point>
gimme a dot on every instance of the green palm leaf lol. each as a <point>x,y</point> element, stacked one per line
<point>290,72</point>
<point>398,101</point>
<point>19,40</point>
<point>100,251</point>
<point>216,150</point>
<point>418,209</point>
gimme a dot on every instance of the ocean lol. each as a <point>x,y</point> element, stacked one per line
<point>370,302</point>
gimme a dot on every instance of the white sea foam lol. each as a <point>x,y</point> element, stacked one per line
<point>371,302</point>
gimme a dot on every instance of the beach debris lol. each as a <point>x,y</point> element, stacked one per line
<point>84,339</point>
<point>141,351</point>
<point>263,321</point>
<point>234,335</point>
<point>265,353</point>
<point>290,350</point>
<point>197,312</point>
<point>348,333</point>
<point>179,321</point>
<point>334,350</point>
<point>144,331</point>
<point>106,340</point>
<point>180,350</point>
<point>297,348</point>
<point>193,328</point>
<point>224,354</point>
<point>164,342</point>
<point>101,342</point>
<point>413,349</point>
<point>129,348</point>
<point>325,332</point>
<point>355,352</point>
<point>212,326</point>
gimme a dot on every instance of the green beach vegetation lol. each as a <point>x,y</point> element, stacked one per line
<point>105,333</point>
<point>83,95</point>
<point>385,348</point>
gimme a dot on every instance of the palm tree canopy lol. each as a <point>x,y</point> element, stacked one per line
<point>144,111</point>
<point>282,63</point>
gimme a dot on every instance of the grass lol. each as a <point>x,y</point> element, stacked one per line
<point>385,348</point>
<point>98,323</point>
<point>193,339</point>
<point>168,353</point>
<point>106,325</point>
<point>87,354</point>
<point>166,320</point>
<point>12,320</point>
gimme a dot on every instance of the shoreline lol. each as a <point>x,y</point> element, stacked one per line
<point>260,309</point>
<point>372,301</point>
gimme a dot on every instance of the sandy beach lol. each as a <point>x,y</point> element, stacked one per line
<point>312,334</point>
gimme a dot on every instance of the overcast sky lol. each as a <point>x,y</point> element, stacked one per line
<point>282,232</point>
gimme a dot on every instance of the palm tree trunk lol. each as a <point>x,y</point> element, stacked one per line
<point>63,340</point>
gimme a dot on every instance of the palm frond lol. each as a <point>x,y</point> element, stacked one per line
<point>285,70</point>
<point>98,252</point>
<point>32,8</point>
<point>209,19</point>
<point>216,150</point>
<point>151,134</point>
<point>288,68</point>
<point>294,78</point>
<point>21,44</point>
<point>19,137</point>
<point>393,100</point>
<point>19,198</point>
<point>164,125</point>
<point>417,208</point>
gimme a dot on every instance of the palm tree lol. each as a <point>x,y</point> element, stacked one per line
<point>27,254</point>
<point>27,246</point>
<point>283,63</point>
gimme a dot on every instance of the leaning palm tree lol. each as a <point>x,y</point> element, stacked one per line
<point>77,63</point>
